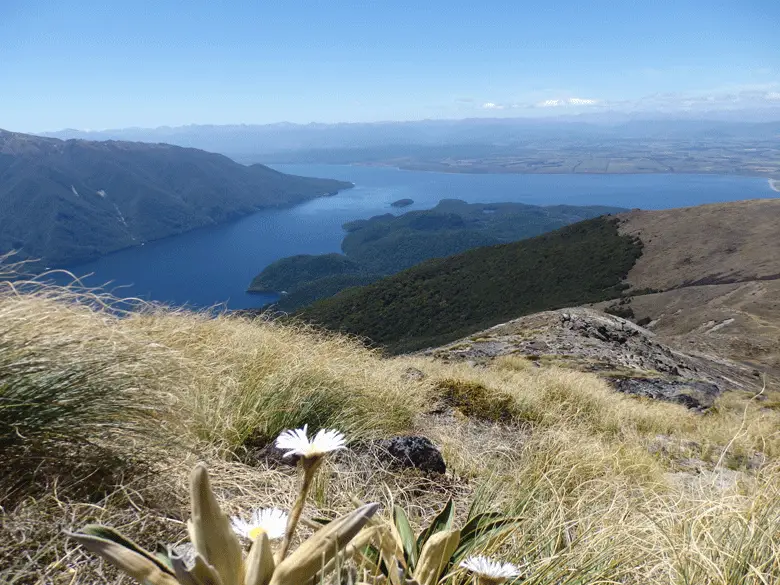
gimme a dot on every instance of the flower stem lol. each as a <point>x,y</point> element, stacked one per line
<point>309,470</point>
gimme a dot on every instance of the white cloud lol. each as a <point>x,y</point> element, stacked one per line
<point>730,98</point>
<point>574,101</point>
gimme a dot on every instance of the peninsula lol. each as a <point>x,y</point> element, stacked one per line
<point>386,244</point>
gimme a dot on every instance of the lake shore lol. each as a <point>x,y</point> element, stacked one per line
<point>435,169</point>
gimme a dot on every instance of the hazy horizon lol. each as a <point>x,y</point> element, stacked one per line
<point>148,64</point>
<point>606,118</point>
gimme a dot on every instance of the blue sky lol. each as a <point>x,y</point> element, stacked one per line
<point>109,64</point>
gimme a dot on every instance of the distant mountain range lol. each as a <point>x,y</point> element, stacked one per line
<point>70,201</point>
<point>275,141</point>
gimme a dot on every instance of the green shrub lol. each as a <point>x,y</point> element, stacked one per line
<point>475,400</point>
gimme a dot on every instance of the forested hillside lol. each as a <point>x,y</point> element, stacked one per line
<point>386,244</point>
<point>443,299</point>
<point>69,201</point>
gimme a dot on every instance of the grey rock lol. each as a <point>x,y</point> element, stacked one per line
<point>691,394</point>
<point>587,340</point>
<point>717,480</point>
<point>274,456</point>
<point>414,452</point>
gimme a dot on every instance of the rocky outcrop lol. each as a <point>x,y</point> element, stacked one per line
<point>693,394</point>
<point>632,359</point>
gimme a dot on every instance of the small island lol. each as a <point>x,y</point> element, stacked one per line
<point>402,203</point>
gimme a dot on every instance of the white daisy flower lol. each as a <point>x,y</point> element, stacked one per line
<point>489,570</point>
<point>297,443</point>
<point>272,521</point>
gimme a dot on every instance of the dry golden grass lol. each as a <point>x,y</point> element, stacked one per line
<point>249,380</point>
<point>603,482</point>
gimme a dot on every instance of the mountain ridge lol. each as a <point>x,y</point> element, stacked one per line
<point>442,299</point>
<point>705,280</point>
<point>70,201</point>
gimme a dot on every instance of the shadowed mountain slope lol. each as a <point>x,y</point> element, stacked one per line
<point>70,201</point>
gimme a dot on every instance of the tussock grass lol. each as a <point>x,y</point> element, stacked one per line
<point>602,482</point>
<point>78,392</point>
<point>250,379</point>
<point>559,397</point>
<point>551,396</point>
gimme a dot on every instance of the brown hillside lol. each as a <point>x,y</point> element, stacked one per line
<point>719,269</point>
<point>708,244</point>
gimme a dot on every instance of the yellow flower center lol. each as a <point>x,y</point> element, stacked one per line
<point>255,532</point>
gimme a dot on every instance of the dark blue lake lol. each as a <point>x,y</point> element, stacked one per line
<point>215,265</point>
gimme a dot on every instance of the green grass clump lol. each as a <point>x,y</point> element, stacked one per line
<point>475,400</point>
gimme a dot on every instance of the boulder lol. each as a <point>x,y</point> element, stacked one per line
<point>415,452</point>
<point>413,374</point>
<point>273,456</point>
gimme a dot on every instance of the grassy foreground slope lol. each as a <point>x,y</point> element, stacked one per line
<point>117,408</point>
<point>443,299</point>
